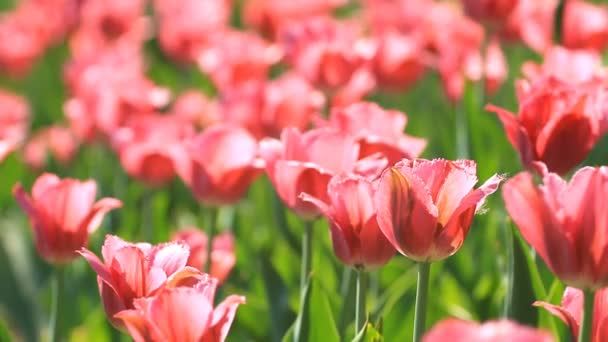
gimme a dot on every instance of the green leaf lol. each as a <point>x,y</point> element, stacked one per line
<point>315,321</point>
<point>5,335</point>
<point>525,284</point>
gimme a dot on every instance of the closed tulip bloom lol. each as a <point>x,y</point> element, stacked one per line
<point>305,162</point>
<point>585,25</point>
<point>567,65</point>
<point>136,270</point>
<point>495,67</point>
<point>14,120</point>
<point>426,207</point>
<point>223,258</point>
<point>378,131</point>
<point>557,123</point>
<point>565,222</point>
<point>234,58</point>
<point>223,162</point>
<point>571,310</point>
<point>55,140</point>
<point>270,15</point>
<point>151,147</point>
<point>456,330</point>
<point>185,27</point>
<point>399,60</point>
<point>182,314</point>
<point>266,108</point>
<point>63,213</point>
<point>351,213</point>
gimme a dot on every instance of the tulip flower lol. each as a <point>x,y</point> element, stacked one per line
<point>185,27</point>
<point>378,131</point>
<point>223,258</point>
<point>571,310</point>
<point>305,162</point>
<point>196,108</point>
<point>266,108</point>
<point>330,54</point>
<point>568,66</point>
<point>63,213</point>
<point>181,314</point>
<point>426,207</point>
<point>564,222</point>
<point>270,16</point>
<point>399,60</point>
<point>13,122</point>
<point>150,147</point>
<point>351,213</point>
<point>585,25</point>
<point>223,161</point>
<point>504,330</point>
<point>56,140</point>
<point>234,58</point>
<point>557,123</point>
<point>137,270</point>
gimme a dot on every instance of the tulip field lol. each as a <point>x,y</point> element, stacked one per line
<point>303,170</point>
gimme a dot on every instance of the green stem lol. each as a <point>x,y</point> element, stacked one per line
<point>584,334</point>
<point>422,290</point>
<point>56,314</point>
<point>148,215</point>
<point>462,132</point>
<point>211,223</point>
<point>360,311</point>
<point>306,253</point>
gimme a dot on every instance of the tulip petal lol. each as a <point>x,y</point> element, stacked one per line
<point>517,135</point>
<point>572,136</point>
<point>181,314</point>
<point>223,315</point>
<point>136,324</point>
<point>537,224</point>
<point>169,257</point>
<point>95,216</point>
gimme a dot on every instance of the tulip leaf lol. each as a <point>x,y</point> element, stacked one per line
<point>524,282</point>
<point>315,321</point>
<point>278,299</point>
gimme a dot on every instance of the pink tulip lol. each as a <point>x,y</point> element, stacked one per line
<point>564,222</point>
<point>186,26</point>
<point>426,207</point>
<point>305,162</point>
<point>223,258</point>
<point>196,108</point>
<point>495,67</point>
<point>504,330</point>
<point>568,66</point>
<point>63,213</point>
<point>585,25</point>
<point>399,60</point>
<point>270,16</point>
<point>234,58</point>
<point>131,271</point>
<point>325,51</point>
<point>223,162</point>
<point>56,140</point>
<point>532,23</point>
<point>378,131</point>
<point>265,109</point>
<point>14,121</point>
<point>571,311</point>
<point>351,213</point>
<point>110,18</point>
<point>182,314</point>
<point>558,123</point>
<point>108,89</point>
<point>150,148</point>
<point>28,30</point>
